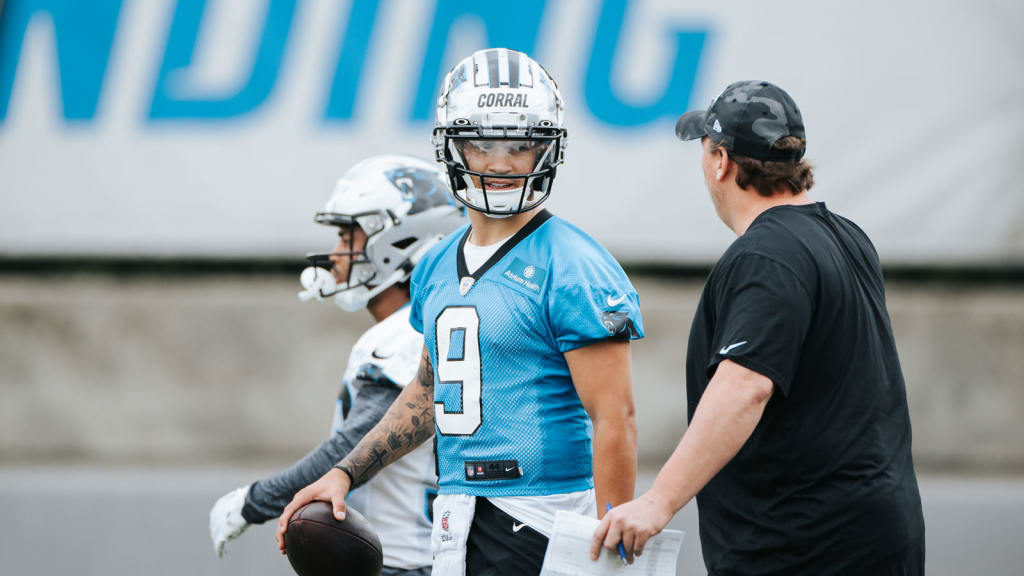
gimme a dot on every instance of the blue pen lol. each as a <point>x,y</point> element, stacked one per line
<point>622,549</point>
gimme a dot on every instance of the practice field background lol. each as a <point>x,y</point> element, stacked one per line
<point>161,160</point>
<point>130,521</point>
<point>118,429</point>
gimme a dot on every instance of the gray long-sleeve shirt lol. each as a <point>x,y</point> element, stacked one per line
<point>268,497</point>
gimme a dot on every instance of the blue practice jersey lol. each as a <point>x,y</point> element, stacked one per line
<point>509,421</point>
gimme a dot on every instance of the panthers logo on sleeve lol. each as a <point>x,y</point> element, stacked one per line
<point>618,324</point>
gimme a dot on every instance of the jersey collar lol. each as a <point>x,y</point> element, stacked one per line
<point>466,280</point>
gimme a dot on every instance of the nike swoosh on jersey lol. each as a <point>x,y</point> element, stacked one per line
<point>726,349</point>
<point>379,357</point>
<point>517,527</point>
<point>614,301</point>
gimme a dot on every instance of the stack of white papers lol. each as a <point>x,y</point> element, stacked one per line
<point>568,551</point>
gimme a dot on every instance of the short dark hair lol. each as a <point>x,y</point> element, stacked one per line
<point>770,178</point>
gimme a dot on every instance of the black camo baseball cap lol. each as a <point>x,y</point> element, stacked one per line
<point>747,118</point>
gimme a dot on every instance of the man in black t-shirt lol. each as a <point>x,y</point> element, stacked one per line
<point>798,449</point>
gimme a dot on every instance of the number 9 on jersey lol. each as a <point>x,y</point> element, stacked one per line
<point>458,325</point>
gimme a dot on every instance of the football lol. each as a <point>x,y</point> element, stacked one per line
<point>319,545</point>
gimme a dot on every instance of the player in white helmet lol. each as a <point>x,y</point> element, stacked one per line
<point>389,210</point>
<point>525,376</point>
<point>500,105</point>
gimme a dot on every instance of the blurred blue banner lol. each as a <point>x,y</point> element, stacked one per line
<point>217,127</point>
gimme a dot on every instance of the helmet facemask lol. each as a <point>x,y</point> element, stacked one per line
<point>531,156</point>
<point>360,272</point>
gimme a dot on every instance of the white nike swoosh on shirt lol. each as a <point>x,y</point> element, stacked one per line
<point>614,301</point>
<point>517,527</point>
<point>725,349</point>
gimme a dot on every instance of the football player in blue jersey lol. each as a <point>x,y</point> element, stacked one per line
<point>524,380</point>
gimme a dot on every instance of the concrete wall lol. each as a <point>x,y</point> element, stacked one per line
<point>192,370</point>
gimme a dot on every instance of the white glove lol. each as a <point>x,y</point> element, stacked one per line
<point>226,522</point>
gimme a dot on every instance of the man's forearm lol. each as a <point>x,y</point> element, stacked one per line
<point>725,418</point>
<point>614,462</point>
<point>407,424</point>
<point>601,375</point>
<point>268,497</point>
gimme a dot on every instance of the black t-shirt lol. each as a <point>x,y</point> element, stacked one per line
<point>825,484</point>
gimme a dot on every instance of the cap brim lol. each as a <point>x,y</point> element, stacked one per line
<point>690,126</point>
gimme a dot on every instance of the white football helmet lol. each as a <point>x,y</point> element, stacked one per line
<point>404,207</point>
<point>500,101</point>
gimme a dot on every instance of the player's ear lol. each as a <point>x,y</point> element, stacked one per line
<point>722,164</point>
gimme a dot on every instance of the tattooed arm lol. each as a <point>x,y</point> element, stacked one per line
<point>407,424</point>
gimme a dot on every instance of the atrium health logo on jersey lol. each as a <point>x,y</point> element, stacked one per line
<point>526,275</point>
<point>86,34</point>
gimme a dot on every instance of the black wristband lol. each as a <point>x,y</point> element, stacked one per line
<point>351,478</point>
